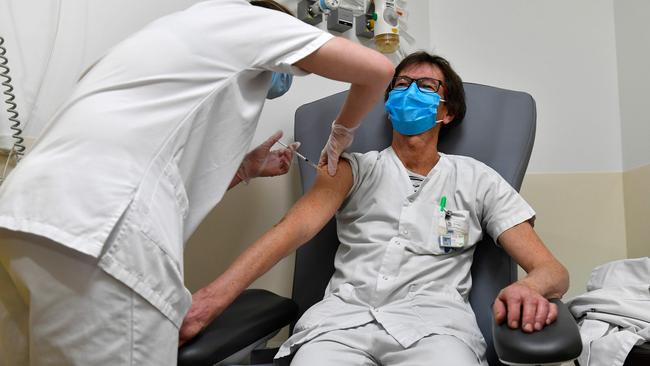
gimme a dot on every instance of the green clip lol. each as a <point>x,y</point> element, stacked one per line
<point>443,203</point>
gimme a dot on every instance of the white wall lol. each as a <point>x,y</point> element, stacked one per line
<point>561,52</point>
<point>633,50</point>
<point>49,43</point>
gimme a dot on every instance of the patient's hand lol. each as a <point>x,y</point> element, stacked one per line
<point>205,307</point>
<point>520,304</point>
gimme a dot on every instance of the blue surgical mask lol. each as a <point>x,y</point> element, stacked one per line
<point>412,111</point>
<point>280,83</point>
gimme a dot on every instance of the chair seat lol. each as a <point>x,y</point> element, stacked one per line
<point>252,316</point>
<point>639,355</point>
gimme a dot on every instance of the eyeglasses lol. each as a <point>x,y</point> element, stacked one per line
<point>426,85</point>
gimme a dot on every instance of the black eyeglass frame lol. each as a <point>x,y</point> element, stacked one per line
<point>437,83</point>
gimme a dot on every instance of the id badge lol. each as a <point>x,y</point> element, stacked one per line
<point>456,230</point>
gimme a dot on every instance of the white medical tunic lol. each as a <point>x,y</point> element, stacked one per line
<point>614,313</point>
<point>150,139</point>
<point>390,268</point>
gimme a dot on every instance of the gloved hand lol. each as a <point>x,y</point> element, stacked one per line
<point>340,139</point>
<point>262,162</point>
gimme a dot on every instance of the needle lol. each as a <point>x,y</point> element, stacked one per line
<point>300,155</point>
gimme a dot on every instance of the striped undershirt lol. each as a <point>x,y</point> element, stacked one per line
<point>416,179</point>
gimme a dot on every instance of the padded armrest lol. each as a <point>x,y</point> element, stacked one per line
<point>252,316</point>
<point>558,342</point>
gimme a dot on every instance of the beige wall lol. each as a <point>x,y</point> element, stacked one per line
<point>581,218</point>
<point>242,216</point>
<point>636,183</point>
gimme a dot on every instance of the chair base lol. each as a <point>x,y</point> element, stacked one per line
<point>639,355</point>
<point>243,356</point>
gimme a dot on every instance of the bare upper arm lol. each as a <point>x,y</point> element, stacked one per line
<point>320,203</point>
<point>343,60</point>
<point>331,191</point>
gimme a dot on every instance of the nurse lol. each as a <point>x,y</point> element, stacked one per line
<point>93,220</point>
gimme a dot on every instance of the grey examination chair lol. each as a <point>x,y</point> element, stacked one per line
<point>499,130</point>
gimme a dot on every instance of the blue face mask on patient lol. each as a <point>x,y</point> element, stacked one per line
<point>411,110</point>
<point>280,83</point>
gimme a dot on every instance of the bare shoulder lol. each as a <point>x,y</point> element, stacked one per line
<point>340,183</point>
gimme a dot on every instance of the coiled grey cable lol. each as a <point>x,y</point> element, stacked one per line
<point>18,146</point>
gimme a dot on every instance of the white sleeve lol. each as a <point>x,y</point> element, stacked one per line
<point>233,34</point>
<point>286,40</point>
<point>353,159</point>
<point>362,165</point>
<point>500,206</point>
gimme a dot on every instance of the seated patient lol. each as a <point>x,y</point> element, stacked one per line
<point>408,220</point>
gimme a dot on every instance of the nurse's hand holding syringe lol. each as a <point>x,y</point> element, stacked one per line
<point>301,156</point>
<point>264,162</point>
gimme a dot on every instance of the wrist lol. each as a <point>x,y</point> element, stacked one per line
<point>527,282</point>
<point>349,127</point>
<point>212,300</point>
<point>242,175</point>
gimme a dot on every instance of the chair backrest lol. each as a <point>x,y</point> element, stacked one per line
<point>498,129</point>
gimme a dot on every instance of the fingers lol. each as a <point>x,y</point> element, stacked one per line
<point>332,163</point>
<point>186,333</point>
<point>523,307</point>
<point>331,167</point>
<point>295,145</point>
<point>541,314</point>
<point>499,310</point>
<point>514,311</point>
<point>323,157</point>
<point>529,311</point>
<point>285,160</point>
<point>272,140</point>
<point>552,313</point>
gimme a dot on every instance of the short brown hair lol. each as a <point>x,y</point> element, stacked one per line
<point>270,4</point>
<point>454,91</point>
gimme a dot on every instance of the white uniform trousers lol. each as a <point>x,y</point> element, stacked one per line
<point>371,345</point>
<point>57,307</point>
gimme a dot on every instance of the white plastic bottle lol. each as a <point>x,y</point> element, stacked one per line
<point>386,26</point>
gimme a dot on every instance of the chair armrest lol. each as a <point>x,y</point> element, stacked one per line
<point>252,316</point>
<point>557,342</point>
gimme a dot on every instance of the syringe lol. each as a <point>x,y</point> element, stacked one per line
<point>301,156</point>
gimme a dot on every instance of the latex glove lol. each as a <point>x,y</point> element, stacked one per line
<point>262,162</point>
<point>340,139</point>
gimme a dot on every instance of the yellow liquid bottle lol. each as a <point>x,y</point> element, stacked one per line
<point>387,42</point>
<point>386,26</point>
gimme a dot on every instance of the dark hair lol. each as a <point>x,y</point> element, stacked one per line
<point>454,92</point>
<point>270,4</point>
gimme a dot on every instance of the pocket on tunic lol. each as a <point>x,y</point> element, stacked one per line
<point>163,213</point>
<point>431,245</point>
<point>147,252</point>
<point>142,265</point>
